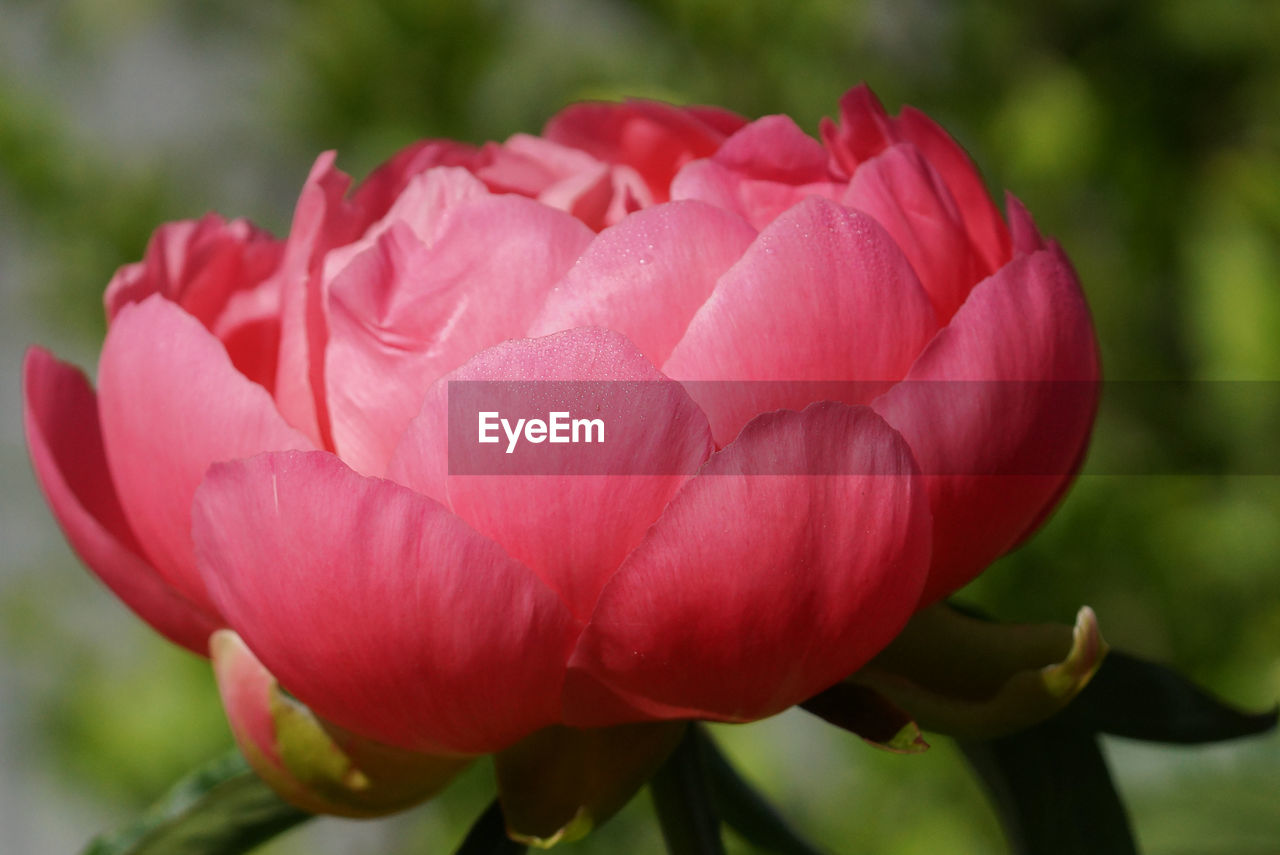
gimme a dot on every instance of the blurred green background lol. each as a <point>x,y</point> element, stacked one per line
<point>1145,135</point>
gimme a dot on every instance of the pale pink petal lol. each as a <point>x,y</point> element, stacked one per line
<point>761,171</point>
<point>998,410</point>
<point>377,608</point>
<point>822,306</point>
<point>794,556</point>
<point>646,276</point>
<point>570,512</point>
<point>404,314</point>
<point>908,198</point>
<point>171,403</point>
<point>61,417</point>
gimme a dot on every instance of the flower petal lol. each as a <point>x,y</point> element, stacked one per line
<point>377,608</point>
<point>653,138</point>
<point>758,588</point>
<point>998,410</point>
<point>646,276</point>
<point>568,513</point>
<point>865,129</point>
<point>61,417</point>
<point>907,196</point>
<point>171,403</point>
<point>761,171</point>
<point>835,303</point>
<point>405,313</point>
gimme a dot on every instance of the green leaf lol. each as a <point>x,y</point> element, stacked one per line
<point>743,807</point>
<point>686,812</point>
<point>488,836</point>
<point>1053,792</point>
<point>1142,700</point>
<point>221,809</point>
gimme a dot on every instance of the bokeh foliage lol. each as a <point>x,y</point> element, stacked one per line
<point>1144,135</point>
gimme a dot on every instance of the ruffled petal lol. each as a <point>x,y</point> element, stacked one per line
<point>405,313</point>
<point>171,403</point>
<point>794,556</point>
<point>907,196</point>
<point>570,512</point>
<point>377,608</point>
<point>648,275</point>
<point>998,411</point>
<point>823,306</point>
<point>653,138</point>
<point>761,171</point>
<point>61,418</point>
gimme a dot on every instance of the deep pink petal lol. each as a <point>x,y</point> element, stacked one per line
<point>822,306</point>
<point>379,609</point>
<point>998,410</point>
<point>646,276</point>
<point>171,403</point>
<point>61,418</point>
<point>1025,234</point>
<point>653,138</point>
<point>865,130</point>
<point>404,313</point>
<point>573,527</point>
<point>322,220</point>
<point>757,588</point>
<point>908,198</point>
<point>199,264</point>
<point>761,171</point>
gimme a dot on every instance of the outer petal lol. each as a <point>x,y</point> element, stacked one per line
<point>757,589</point>
<point>404,313</point>
<point>761,171</point>
<point>865,130</point>
<point>823,294</point>
<point>573,527</point>
<point>377,608</point>
<point>61,416</point>
<point>908,198</point>
<point>998,410</point>
<point>171,403</point>
<point>648,275</point>
<point>653,138</point>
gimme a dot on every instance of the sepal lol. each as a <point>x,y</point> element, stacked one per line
<point>974,679</point>
<point>561,782</point>
<point>311,763</point>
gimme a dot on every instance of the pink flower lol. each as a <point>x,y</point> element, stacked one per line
<point>266,449</point>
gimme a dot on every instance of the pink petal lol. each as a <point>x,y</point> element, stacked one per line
<point>998,410</point>
<point>404,314</point>
<point>908,198</point>
<point>379,609</point>
<point>61,417</point>
<point>646,276</point>
<point>823,306</point>
<point>377,193</point>
<point>1025,234</point>
<point>757,588</point>
<point>199,264</point>
<point>321,221</point>
<point>573,527</point>
<point>865,129</point>
<point>761,171</point>
<point>653,138</point>
<point>171,403</point>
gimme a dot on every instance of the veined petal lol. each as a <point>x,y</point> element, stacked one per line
<point>61,416</point>
<point>794,556</point>
<point>377,608</point>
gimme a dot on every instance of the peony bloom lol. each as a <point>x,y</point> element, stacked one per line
<point>267,447</point>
